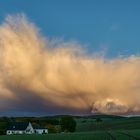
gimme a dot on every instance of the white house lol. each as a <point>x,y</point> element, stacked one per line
<point>24,128</point>
<point>20,128</point>
<point>41,131</point>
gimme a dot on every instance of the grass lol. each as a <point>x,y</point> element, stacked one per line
<point>98,135</point>
<point>70,136</point>
<point>117,124</point>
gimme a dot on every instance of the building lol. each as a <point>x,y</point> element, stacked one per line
<point>25,128</point>
<point>40,131</point>
<point>20,128</point>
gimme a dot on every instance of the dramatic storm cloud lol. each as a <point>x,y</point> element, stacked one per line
<point>38,74</point>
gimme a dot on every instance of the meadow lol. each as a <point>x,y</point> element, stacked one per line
<point>98,135</point>
<point>108,123</point>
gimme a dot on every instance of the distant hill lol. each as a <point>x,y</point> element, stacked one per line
<point>104,116</point>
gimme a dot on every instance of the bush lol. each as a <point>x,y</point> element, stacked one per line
<point>2,132</point>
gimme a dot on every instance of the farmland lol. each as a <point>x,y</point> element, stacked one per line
<point>107,124</point>
<point>98,135</point>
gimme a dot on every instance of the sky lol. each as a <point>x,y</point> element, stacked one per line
<point>112,26</point>
<point>69,57</point>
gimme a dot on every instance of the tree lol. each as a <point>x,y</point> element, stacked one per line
<point>68,124</point>
<point>52,128</point>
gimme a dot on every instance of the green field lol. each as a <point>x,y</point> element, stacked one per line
<point>88,128</point>
<point>107,124</point>
<point>98,135</point>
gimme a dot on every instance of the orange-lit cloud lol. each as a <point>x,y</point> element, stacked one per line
<point>37,71</point>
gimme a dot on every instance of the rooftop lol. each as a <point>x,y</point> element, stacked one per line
<point>18,126</point>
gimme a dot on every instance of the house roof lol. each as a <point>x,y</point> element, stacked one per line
<point>18,126</point>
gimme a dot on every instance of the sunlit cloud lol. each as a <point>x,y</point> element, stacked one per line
<point>38,74</point>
